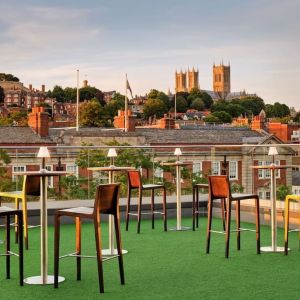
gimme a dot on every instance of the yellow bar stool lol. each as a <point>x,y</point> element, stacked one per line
<point>288,198</point>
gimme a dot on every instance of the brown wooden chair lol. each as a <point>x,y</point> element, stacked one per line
<point>219,187</point>
<point>135,183</point>
<point>196,211</point>
<point>106,202</point>
<point>7,212</point>
<point>30,187</point>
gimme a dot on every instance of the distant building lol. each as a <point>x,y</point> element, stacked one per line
<point>221,80</point>
<point>181,83</point>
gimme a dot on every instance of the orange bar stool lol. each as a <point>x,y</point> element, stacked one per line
<point>288,199</point>
<point>219,188</point>
<point>106,202</point>
<point>135,182</point>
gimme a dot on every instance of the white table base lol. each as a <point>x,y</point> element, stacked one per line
<point>182,228</point>
<point>114,252</point>
<point>39,280</point>
<point>271,249</point>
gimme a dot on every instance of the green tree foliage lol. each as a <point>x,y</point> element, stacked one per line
<point>223,116</point>
<point>154,107</point>
<point>57,93</point>
<point>15,118</point>
<point>197,104</point>
<point>283,191</point>
<point>277,110</point>
<point>297,117</point>
<point>5,182</point>
<point>252,105</point>
<point>70,94</point>
<point>111,109</point>
<point>90,114</point>
<point>181,104</point>
<point>196,93</point>
<point>157,95</point>
<point>8,77</point>
<point>212,119</point>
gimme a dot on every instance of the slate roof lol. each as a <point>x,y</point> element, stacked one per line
<point>21,135</point>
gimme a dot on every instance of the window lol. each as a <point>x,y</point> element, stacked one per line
<point>265,173</point>
<point>233,170</point>
<point>72,169</point>
<point>159,173</point>
<point>215,168</point>
<point>197,167</point>
<point>17,169</point>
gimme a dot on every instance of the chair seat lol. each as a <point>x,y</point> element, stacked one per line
<point>238,196</point>
<point>78,210</point>
<point>13,194</point>
<point>152,186</point>
<point>5,209</point>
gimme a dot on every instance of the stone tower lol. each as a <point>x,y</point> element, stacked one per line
<point>180,82</point>
<point>193,79</point>
<point>221,80</point>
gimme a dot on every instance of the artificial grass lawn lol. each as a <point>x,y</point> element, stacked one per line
<point>163,265</point>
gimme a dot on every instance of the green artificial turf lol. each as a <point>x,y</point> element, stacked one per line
<point>163,265</point>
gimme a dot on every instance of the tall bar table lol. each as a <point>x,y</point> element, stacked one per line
<point>272,167</point>
<point>44,278</point>
<point>178,165</point>
<point>111,251</point>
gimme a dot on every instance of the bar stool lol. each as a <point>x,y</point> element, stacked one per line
<point>30,187</point>
<point>196,212</point>
<point>288,199</point>
<point>135,182</point>
<point>106,202</point>
<point>7,212</point>
<point>219,187</point>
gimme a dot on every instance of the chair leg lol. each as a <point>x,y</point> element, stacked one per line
<point>139,211</point>
<point>25,221</point>
<point>257,226</point>
<point>286,225</point>
<point>165,208</point>
<point>7,250</point>
<point>99,254</point>
<point>228,228</point>
<point>119,247</point>
<point>56,248</point>
<point>209,219</point>
<point>223,212</point>
<point>128,208</point>
<point>21,256</point>
<point>16,221</point>
<point>194,206</point>
<point>152,207</point>
<point>238,224</point>
<point>78,247</point>
<point>197,207</point>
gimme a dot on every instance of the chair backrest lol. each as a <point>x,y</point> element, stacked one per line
<point>219,187</point>
<point>134,178</point>
<point>107,198</point>
<point>31,185</point>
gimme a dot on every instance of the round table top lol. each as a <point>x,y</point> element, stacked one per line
<point>43,173</point>
<point>110,168</point>
<point>176,163</point>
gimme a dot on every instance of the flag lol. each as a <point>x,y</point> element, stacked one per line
<point>128,87</point>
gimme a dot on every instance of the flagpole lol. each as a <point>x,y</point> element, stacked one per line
<point>77,106</point>
<point>126,107</point>
<point>175,100</point>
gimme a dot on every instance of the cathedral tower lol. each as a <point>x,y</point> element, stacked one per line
<point>180,82</point>
<point>193,79</point>
<point>221,80</point>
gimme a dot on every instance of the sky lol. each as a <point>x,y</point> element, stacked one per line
<point>46,41</point>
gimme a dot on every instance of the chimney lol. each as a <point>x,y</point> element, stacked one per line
<point>30,87</point>
<point>43,88</point>
<point>119,121</point>
<point>38,121</point>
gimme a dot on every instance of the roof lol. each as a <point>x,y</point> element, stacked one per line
<point>21,135</point>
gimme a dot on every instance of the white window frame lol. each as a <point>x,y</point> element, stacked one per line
<point>50,179</point>
<point>215,166</point>
<point>266,173</point>
<point>72,168</point>
<point>17,169</point>
<point>159,173</point>
<point>233,175</point>
<point>197,167</point>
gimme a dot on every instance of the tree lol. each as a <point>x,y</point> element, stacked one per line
<point>197,104</point>
<point>223,116</point>
<point>88,93</point>
<point>2,96</point>
<point>57,93</point>
<point>234,110</point>
<point>70,94</point>
<point>155,94</point>
<point>211,119</point>
<point>90,113</point>
<point>196,93</point>
<point>8,77</point>
<point>297,117</point>
<point>154,107</point>
<point>253,105</point>
<point>181,104</point>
